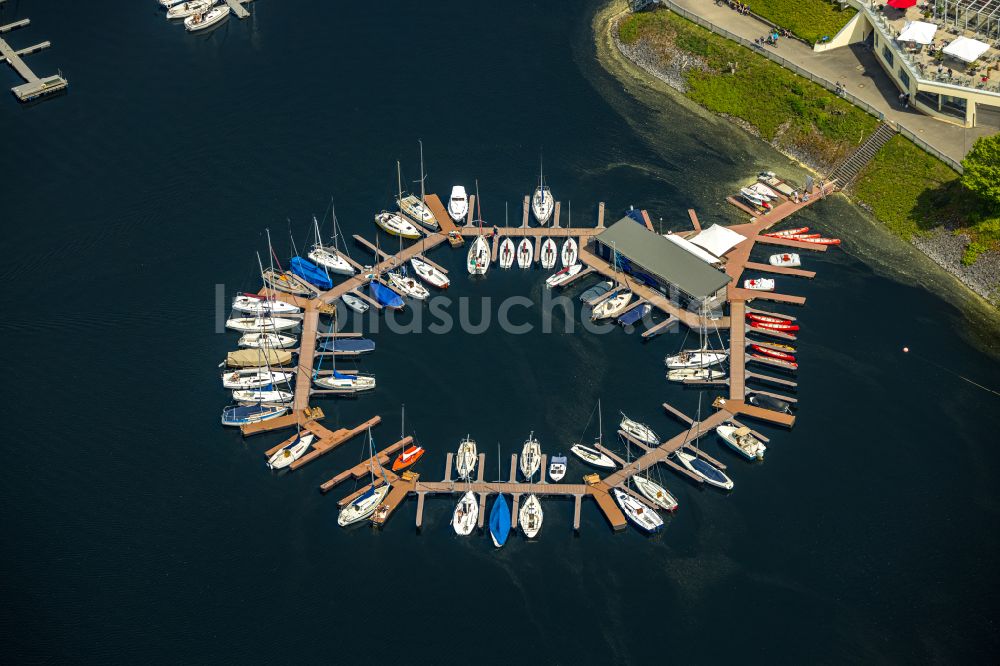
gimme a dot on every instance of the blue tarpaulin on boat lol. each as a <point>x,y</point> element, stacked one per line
<point>636,215</point>
<point>500,520</point>
<point>385,296</point>
<point>340,375</point>
<point>311,273</point>
<point>348,346</point>
<point>634,315</point>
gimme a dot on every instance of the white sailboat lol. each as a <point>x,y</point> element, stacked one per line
<point>613,306</point>
<point>291,452</point>
<point>478,259</point>
<point>345,383</point>
<point>261,324</point>
<point>655,493</point>
<point>264,394</point>
<point>525,254</point>
<point>205,20</point>
<point>698,465</point>
<point>530,516</point>
<point>327,256</point>
<point>395,225</point>
<point>270,340</point>
<point>696,358</point>
<point>643,517</point>
<point>466,514</point>
<point>639,431</point>
<point>692,374</point>
<point>250,378</point>
<point>180,10</point>
<point>506,253</point>
<point>531,456</point>
<point>458,204</point>
<point>563,275</point>
<point>742,441</point>
<point>549,254</point>
<point>593,456</point>
<point>570,251</point>
<point>261,306</point>
<point>365,504</point>
<point>466,458</point>
<point>429,273</point>
<point>408,286</point>
<point>542,203</point>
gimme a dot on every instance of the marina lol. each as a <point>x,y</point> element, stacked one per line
<point>33,86</point>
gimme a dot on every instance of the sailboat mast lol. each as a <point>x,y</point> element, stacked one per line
<point>421,172</point>
<point>399,182</point>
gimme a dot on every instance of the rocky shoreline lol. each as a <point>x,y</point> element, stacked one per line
<point>941,246</point>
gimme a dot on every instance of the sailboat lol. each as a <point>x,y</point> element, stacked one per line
<point>429,273</point>
<point>244,414</point>
<point>341,382</point>
<point>569,249</point>
<point>557,467</point>
<point>563,275</point>
<point>271,340</point>
<point>355,303</point>
<point>531,456</point>
<point>525,254</point>
<point>612,307</point>
<point>267,394</point>
<point>530,516</point>
<point>417,208</point>
<point>593,456</point>
<point>478,259</point>
<point>506,253</point>
<point>702,357</point>
<point>701,467</point>
<point>410,454</point>
<point>643,517</point>
<point>258,305</point>
<point>249,378</point>
<point>327,256</point>
<point>281,280</point>
<point>458,204</point>
<point>261,324</point>
<point>291,452</point>
<point>639,431</point>
<point>408,286</point>
<point>347,346</point>
<point>741,440</point>
<point>500,513</point>
<point>541,202</point>
<point>549,254</point>
<point>655,493</point>
<point>394,223</point>
<point>385,297</point>
<point>693,374</point>
<point>365,504</point>
<point>466,514</point>
<point>465,460</point>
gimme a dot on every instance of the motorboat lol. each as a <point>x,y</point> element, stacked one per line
<point>655,493</point>
<point>787,233</point>
<point>458,204</point>
<point>754,198</point>
<point>355,303</point>
<point>466,458</point>
<point>531,456</point>
<point>775,353</point>
<point>258,305</point>
<point>169,3</point>
<point>557,467</point>
<point>205,20</point>
<point>287,282</point>
<point>179,10</point>
<point>255,358</point>
<point>635,314</point>
<point>291,452</point>
<point>706,470</point>
<point>429,273</point>
<point>592,456</point>
<point>759,284</point>
<point>549,254</point>
<point>347,346</point>
<point>530,516</point>
<point>525,254</point>
<point>265,394</point>
<point>261,324</point>
<point>696,358</point>
<point>506,253</point>
<point>342,382</point>
<point>407,457</point>
<point>763,191</point>
<point>598,289</point>
<point>408,286</point>
<point>563,275</point>
<point>570,253</point>
<point>612,307</point>
<point>384,296</point>
<point>418,211</point>
<point>770,402</point>
<point>500,521</point>
<point>330,259</point>
<point>267,340</point>
<point>644,518</point>
<point>250,378</point>
<point>695,374</point>
<point>479,257</point>
<point>311,273</point>
<point>395,225</point>
<point>786,259</point>
<point>363,506</point>
<point>742,440</point>
<point>466,514</point>
<point>639,431</point>
<point>239,415</point>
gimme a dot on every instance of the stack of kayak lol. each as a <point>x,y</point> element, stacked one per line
<point>780,355</point>
<point>802,234</point>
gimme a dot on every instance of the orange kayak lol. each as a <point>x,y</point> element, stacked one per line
<point>409,456</point>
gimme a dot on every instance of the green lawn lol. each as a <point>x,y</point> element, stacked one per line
<point>808,19</point>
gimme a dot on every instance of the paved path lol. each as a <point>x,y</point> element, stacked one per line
<point>856,68</point>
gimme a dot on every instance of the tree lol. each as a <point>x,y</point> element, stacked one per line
<point>982,170</point>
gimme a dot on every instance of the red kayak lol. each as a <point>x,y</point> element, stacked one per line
<point>766,325</point>
<point>774,353</point>
<point>820,241</point>
<point>767,318</point>
<point>777,361</point>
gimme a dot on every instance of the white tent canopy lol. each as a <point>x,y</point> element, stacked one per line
<point>718,239</point>
<point>692,248</point>
<point>966,49</point>
<point>917,31</point>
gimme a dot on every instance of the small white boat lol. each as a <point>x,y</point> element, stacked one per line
<point>269,396</point>
<point>542,204</point>
<point>330,259</point>
<point>753,197</point>
<point>530,516</point>
<point>644,518</point>
<point>612,307</point>
<point>261,324</point>
<point>363,506</point>
<point>458,204</point>
<point>707,471</point>
<point>355,303</point>
<point>429,274</point>
<point>525,254</point>
<point>531,456</point>
<point>466,458</point>
<point>268,341</point>
<point>696,358</point>
<point>569,252</point>
<point>557,467</point>
<point>788,259</point>
<point>169,3</point>
<point>479,257</point>
<point>466,514</point>
<point>759,284</point>
<point>639,431</point>
<point>412,206</point>
<point>742,441</point>
<point>763,191</point>
<point>693,374</point>
<point>549,254</point>
<point>396,225</point>
<point>180,10</point>
<point>345,383</point>
<point>250,378</point>
<point>206,20</point>
<point>408,286</point>
<point>655,493</point>
<point>563,275</point>
<point>506,253</point>
<point>291,452</point>
<point>258,305</point>
<point>592,456</point>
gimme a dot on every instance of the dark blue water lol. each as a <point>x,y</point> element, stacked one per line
<point>136,528</point>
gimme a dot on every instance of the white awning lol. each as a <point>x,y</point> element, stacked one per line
<point>917,31</point>
<point>718,239</point>
<point>966,49</point>
<point>692,248</point>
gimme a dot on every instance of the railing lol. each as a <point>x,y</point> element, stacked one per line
<point>954,164</point>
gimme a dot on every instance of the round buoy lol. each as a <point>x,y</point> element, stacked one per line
<point>906,349</point>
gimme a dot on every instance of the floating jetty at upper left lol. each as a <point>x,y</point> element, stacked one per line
<point>33,86</point>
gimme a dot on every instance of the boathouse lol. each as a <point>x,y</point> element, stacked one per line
<point>656,262</point>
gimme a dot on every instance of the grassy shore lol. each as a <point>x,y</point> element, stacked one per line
<point>809,19</point>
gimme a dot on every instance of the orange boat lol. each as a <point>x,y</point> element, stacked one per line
<point>409,456</point>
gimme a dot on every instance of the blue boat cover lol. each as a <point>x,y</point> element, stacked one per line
<point>634,315</point>
<point>385,296</point>
<point>340,375</point>
<point>636,215</point>
<point>311,273</point>
<point>242,413</point>
<point>500,520</point>
<point>594,292</point>
<point>349,346</point>
<point>708,470</point>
